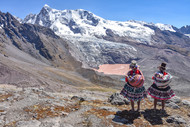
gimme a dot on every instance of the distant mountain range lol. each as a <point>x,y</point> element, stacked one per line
<point>84,23</point>
<point>95,31</point>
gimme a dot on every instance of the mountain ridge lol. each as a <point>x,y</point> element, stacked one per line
<point>85,23</point>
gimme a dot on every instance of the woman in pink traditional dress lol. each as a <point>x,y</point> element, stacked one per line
<point>160,89</point>
<point>134,89</point>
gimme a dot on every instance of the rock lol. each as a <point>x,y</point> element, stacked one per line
<point>51,122</point>
<point>110,117</point>
<point>2,117</point>
<point>3,113</point>
<point>150,98</point>
<point>66,125</point>
<point>32,123</point>
<point>174,99</point>
<point>176,119</point>
<point>78,98</point>
<point>185,102</point>
<point>172,105</point>
<point>36,89</point>
<point>117,99</point>
<point>159,103</point>
<point>94,121</point>
<point>111,109</point>
<point>5,55</point>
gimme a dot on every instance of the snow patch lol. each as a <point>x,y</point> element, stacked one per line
<point>188,35</point>
<point>1,26</point>
<point>165,27</point>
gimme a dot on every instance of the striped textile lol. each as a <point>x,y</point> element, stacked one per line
<point>162,80</point>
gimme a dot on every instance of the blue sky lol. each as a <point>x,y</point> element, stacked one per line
<point>174,12</point>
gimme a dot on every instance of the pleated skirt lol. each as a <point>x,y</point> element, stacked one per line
<point>133,93</point>
<point>160,93</point>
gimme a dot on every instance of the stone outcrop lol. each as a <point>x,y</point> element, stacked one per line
<point>117,99</point>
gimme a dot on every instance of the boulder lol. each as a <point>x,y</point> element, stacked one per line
<point>150,98</point>
<point>174,99</point>
<point>117,99</point>
<point>172,105</point>
<point>176,119</point>
<point>185,102</point>
<point>80,99</point>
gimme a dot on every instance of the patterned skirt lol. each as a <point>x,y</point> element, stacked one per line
<point>160,93</point>
<point>133,93</point>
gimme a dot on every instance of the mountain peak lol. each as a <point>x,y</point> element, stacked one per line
<point>81,10</point>
<point>46,6</point>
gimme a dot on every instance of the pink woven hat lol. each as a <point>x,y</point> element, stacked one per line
<point>162,66</point>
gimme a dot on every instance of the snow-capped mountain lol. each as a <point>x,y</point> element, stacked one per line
<point>31,18</point>
<point>82,22</point>
<point>165,27</point>
<point>81,28</point>
<point>84,28</point>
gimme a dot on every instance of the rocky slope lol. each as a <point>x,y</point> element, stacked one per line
<point>41,95</point>
<point>84,108</point>
<point>39,42</point>
<point>32,45</point>
<point>185,29</point>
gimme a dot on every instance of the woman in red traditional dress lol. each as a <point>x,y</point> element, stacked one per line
<point>134,89</point>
